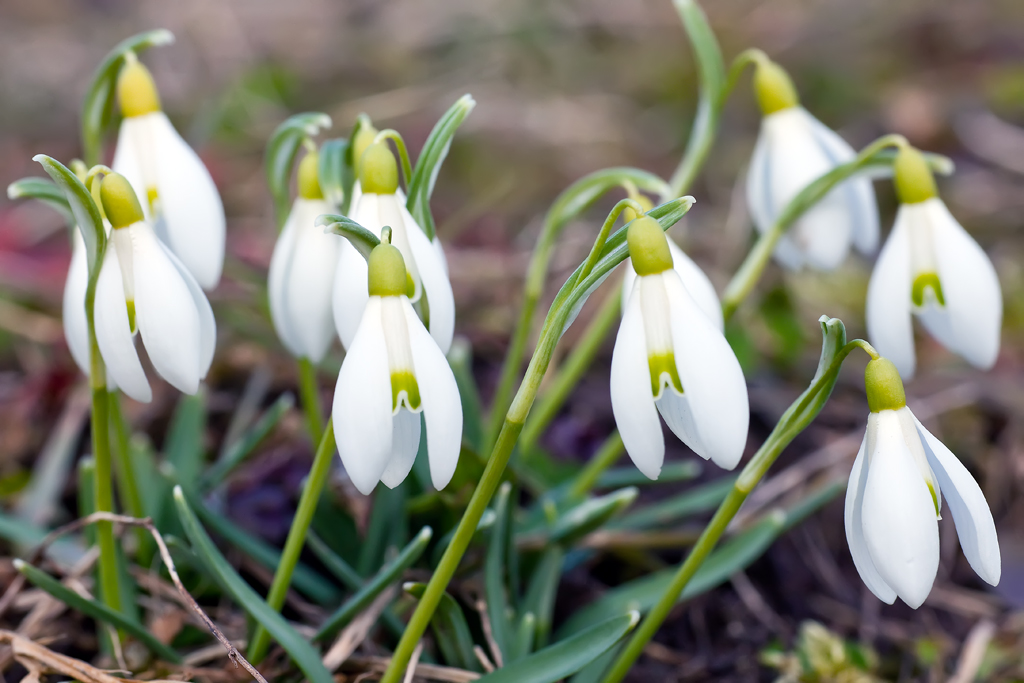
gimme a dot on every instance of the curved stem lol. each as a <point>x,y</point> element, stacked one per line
<point>309,394</point>
<point>757,259</point>
<point>403,151</point>
<point>318,474</point>
<point>606,228</point>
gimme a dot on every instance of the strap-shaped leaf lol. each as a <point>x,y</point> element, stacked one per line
<point>450,629</point>
<point>590,515</point>
<point>45,191</point>
<point>282,148</point>
<point>362,239</point>
<point>98,106</point>
<point>307,659</point>
<point>542,590</point>
<point>567,656</point>
<point>248,441</point>
<point>435,149</point>
<point>334,172</point>
<point>87,215</point>
<point>496,587</point>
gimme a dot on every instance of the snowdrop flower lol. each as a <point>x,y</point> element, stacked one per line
<point>361,141</point>
<point>377,206</point>
<point>393,372</point>
<point>931,268</point>
<point>143,287</point>
<point>181,200</point>
<point>895,497</point>
<point>302,271</point>
<point>671,358</point>
<point>793,149</point>
<point>76,325</point>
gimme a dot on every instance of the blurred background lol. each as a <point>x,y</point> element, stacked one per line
<point>563,89</point>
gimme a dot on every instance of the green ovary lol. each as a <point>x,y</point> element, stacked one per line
<point>661,364</point>
<point>935,499</point>
<point>403,381</point>
<point>925,281</point>
<point>131,314</point>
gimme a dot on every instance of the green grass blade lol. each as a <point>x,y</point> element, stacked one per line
<point>249,440</point>
<point>671,510</point>
<point>451,630</point>
<point>496,588</point>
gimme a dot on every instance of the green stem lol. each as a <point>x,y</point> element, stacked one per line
<point>403,151</point>
<point>296,538</point>
<point>309,394</point>
<point>753,266</point>
<point>127,481</point>
<point>571,370</point>
<point>611,450</point>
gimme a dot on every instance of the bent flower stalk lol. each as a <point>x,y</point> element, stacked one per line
<point>671,358</point>
<point>393,372</point>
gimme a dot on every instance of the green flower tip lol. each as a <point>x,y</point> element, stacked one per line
<point>361,141</point>
<point>914,180</point>
<point>309,176</point>
<point>387,274</point>
<point>883,386</point>
<point>120,203</point>
<point>774,88</point>
<point>648,246</point>
<point>378,171</point>
<point>629,215</point>
<point>136,91</point>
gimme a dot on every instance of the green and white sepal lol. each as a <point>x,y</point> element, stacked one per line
<point>394,371</point>
<point>671,358</point>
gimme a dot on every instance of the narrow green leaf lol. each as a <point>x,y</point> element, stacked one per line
<point>591,514</point>
<point>451,630</point>
<point>486,523</point>
<point>248,441</point>
<point>582,194</point>
<point>65,551</point>
<point>567,656</point>
<point>349,176</point>
<point>96,610</point>
<point>522,643</point>
<point>282,149</point>
<point>183,451</point>
<point>387,527</point>
<point>671,473</point>
<point>434,151</point>
<point>671,510</point>
<point>333,170</point>
<point>45,191</point>
<point>496,588</point>
<point>307,658</point>
<point>388,574</point>
<point>460,357</point>
<point>87,215</point>
<point>362,239</point>
<point>543,588</point>
<point>594,672</point>
<point>98,106</point>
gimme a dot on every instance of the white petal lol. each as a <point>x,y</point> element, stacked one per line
<point>442,406</point>
<point>167,317</point>
<point>362,414</point>
<point>113,333</point>
<point>970,286</point>
<point>190,203</point>
<point>405,442</point>
<point>207,323</point>
<point>632,399</point>
<point>440,254</point>
<point>761,212</point>
<point>277,278</point>
<point>434,275</point>
<point>888,300</point>
<point>974,524</point>
<point>900,528</point>
<point>857,192</point>
<point>697,284</point>
<point>717,412</point>
<point>855,529</point>
<point>350,280</point>
<point>76,325</point>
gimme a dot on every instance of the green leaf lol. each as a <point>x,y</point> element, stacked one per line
<point>522,643</point>
<point>671,473</point>
<point>589,515</point>
<point>246,443</point>
<point>45,191</point>
<point>333,170</point>
<point>362,239</point>
<point>671,510</point>
<point>307,659</point>
<point>567,656</point>
<point>282,149</point>
<point>496,589</point>
<point>349,177</point>
<point>388,574</point>
<point>543,589</point>
<point>582,194</point>
<point>387,528</point>
<point>87,215</point>
<point>96,610</point>
<point>460,357</point>
<point>183,451</point>
<point>434,151</point>
<point>98,106</point>
<point>450,629</point>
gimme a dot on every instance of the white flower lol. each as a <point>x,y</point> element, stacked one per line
<point>143,286</point>
<point>76,325</point>
<point>930,267</point>
<point>302,270</point>
<point>894,499</point>
<point>176,191</point>
<point>393,372</point>
<point>378,205</point>
<point>671,358</point>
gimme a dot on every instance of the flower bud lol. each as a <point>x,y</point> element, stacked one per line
<point>378,173</point>
<point>387,274</point>
<point>361,141</point>
<point>136,91</point>
<point>648,246</point>
<point>629,215</point>
<point>120,203</point>
<point>774,88</point>
<point>309,176</point>
<point>883,386</point>
<point>914,180</point>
